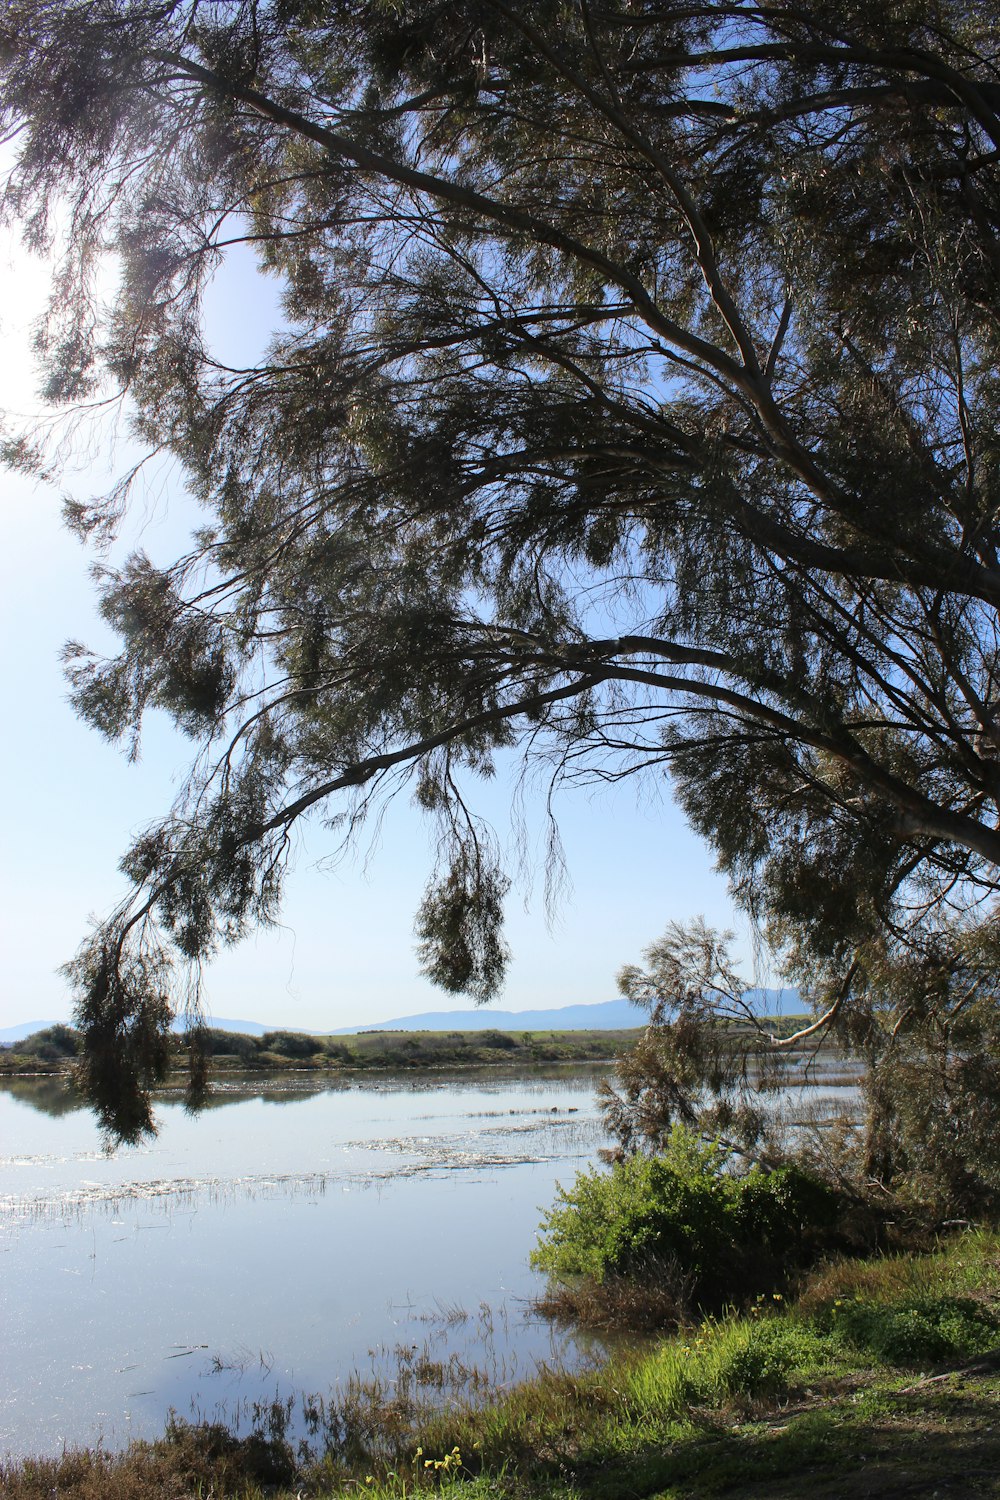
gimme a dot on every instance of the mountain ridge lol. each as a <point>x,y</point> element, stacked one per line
<point>600,1015</point>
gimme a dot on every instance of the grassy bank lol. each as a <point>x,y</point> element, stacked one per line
<point>415,1049</point>
<point>882,1378</point>
<point>282,1051</point>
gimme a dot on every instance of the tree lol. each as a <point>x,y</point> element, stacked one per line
<point>635,410</point>
<point>926,1141</point>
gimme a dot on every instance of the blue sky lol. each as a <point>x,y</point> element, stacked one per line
<point>344,954</point>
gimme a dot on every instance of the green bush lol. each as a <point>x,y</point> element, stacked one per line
<point>724,1235</point>
<point>917,1330</point>
<point>228,1043</point>
<point>738,1359</point>
<point>754,1361</point>
<point>337,1051</point>
<point>52,1044</point>
<point>502,1040</point>
<point>290,1043</point>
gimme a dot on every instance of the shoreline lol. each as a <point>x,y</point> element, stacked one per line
<point>880,1377</point>
<point>359,1052</point>
<point>373,1051</point>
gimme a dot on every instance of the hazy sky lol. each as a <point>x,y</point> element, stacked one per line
<point>345,954</point>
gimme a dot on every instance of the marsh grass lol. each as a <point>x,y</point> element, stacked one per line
<point>968,1262</point>
<point>378,1051</point>
<point>189,1460</point>
<point>657,1296</point>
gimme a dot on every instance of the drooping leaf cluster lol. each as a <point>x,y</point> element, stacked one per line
<point>634,405</point>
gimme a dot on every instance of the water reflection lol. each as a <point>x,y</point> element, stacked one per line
<point>54,1094</point>
<point>51,1095</point>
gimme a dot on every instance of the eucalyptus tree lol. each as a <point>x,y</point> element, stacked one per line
<point>633,409</point>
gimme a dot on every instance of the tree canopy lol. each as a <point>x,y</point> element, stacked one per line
<point>635,409</point>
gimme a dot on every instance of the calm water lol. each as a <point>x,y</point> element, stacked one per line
<point>292,1233</point>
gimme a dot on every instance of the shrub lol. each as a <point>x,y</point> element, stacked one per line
<point>228,1043</point>
<point>502,1040</point>
<point>737,1360</point>
<point>290,1043</point>
<point>337,1051</point>
<point>751,1360</point>
<point>726,1235</point>
<point>916,1330</point>
<point>52,1044</point>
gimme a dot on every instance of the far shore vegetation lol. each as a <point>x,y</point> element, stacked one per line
<point>54,1049</point>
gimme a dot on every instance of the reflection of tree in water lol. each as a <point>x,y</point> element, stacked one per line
<point>56,1095</point>
<point>52,1096</point>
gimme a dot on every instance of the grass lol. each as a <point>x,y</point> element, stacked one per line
<point>406,1049</point>
<point>657,1299</point>
<point>189,1461</point>
<point>881,1379</point>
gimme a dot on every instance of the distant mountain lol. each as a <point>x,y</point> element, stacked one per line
<point>783,1002</point>
<point>604,1015</point>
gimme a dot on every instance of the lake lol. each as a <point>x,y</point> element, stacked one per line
<point>299,1229</point>
<point>295,1231</point>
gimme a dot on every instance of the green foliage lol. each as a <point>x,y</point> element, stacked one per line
<point>291,1043</point>
<point>918,1330</point>
<point>718,1364</point>
<point>753,1362</point>
<point>920,1025</point>
<point>683,1214</point>
<point>52,1044</point>
<point>500,1040</point>
<point>337,1052</point>
<point>457,925</point>
<point>228,1043</point>
<point>703,1058</point>
<point>125,1018</point>
<point>931,1094</point>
